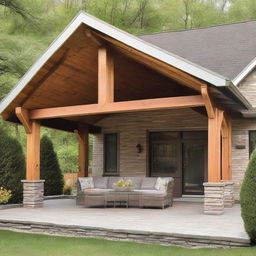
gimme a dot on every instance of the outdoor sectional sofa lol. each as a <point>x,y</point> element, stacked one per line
<point>148,191</point>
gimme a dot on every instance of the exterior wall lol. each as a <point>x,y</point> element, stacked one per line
<point>133,128</point>
<point>248,87</point>
<point>240,157</point>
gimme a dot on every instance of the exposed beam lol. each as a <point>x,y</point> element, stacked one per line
<point>118,107</point>
<point>23,116</point>
<point>155,64</point>
<point>95,39</point>
<point>105,76</point>
<point>208,102</point>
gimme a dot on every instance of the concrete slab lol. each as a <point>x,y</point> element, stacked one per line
<point>185,219</point>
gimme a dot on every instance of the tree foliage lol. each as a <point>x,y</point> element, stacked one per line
<point>12,166</point>
<point>248,199</point>
<point>50,169</point>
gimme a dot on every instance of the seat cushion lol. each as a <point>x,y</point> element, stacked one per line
<point>152,193</point>
<point>100,182</point>
<point>148,183</point>
<point>95,191</point>
<point>86,183</point>
<point>112,180</point>
<point>136,181</point>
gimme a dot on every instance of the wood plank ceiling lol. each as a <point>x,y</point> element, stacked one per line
<point>70,77</point>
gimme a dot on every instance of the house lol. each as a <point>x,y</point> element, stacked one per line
<point>177,104</point>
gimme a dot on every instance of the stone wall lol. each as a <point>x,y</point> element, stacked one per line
<point>133,129</point>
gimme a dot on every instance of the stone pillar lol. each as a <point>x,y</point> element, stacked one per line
<point>213,198</point>
<point>229,198</point>
<point>33,193</point>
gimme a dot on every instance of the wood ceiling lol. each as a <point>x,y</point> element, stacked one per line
<point>70,77</point>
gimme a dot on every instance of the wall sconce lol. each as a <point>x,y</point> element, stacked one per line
<point>138,148</point>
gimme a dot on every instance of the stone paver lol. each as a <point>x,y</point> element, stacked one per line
<point>183,218</point>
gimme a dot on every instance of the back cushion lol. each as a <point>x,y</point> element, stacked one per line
<point>136,181</point>
<point>148,183</point>
<point>112,180</point>
<point>86,183</point>
<point>100,182</point>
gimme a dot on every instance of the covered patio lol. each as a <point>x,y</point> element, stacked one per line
<point>93,72</point>
<point>182,224</point>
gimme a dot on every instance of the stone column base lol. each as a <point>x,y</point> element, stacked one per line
<point>229,198</point>
<point>33,193</point>
<point>213,198</point>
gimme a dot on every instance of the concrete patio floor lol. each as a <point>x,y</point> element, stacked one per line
<point>183,218</point>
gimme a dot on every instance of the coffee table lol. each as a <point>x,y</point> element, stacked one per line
<point>126,198</point>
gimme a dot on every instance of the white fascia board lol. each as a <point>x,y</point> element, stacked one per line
<point>244,72</point>
<point>124,37</point>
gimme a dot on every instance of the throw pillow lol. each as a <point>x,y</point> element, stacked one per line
<point>161,184</point>
<point>86,183</point>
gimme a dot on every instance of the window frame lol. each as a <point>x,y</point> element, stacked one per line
<point>117,173</point>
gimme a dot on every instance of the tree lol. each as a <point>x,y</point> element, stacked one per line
<point>50,169</point>
<point>248,199</point>
<point>12,166</point>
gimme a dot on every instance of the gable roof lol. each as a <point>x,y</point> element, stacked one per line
<point>225,49</point>
<point>124,37</point>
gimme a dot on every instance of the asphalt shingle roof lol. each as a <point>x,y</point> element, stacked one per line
<point>224,49</point>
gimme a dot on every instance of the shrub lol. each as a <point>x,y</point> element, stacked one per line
<point>5,195</point>
<point>50,169</point>
<point>248,198</point>
<point>12,166</point>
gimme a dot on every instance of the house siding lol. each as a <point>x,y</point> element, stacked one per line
<point>133,129</point>
<point>248,87</point>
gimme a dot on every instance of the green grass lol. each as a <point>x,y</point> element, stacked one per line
<point>22,244</point>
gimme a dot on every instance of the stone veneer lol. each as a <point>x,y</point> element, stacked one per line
<point>133,129</point>
<point>33,193</point>
<point>214,198</point>
<point>228,195</point>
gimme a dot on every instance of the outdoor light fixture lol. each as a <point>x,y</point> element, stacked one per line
<point>138,148</point>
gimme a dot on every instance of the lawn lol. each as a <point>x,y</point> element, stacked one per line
<point>22,244</point>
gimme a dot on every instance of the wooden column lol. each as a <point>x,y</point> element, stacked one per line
<point>105,76</point>
<point>32,128</point>
<point>214,146</point>
<point>83,140</point>
<point>33,152</point>
<point>226,149</point>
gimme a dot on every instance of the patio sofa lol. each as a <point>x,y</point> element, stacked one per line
<point>152,191</point>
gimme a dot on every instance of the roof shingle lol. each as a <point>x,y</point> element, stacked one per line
<point>224,49</point>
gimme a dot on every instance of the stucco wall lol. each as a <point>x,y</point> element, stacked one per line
<point>133,127</point>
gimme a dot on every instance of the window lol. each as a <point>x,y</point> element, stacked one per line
<point>111,154</point>
<point>252,141</point>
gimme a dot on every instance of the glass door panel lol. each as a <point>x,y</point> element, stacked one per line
<point>194,164</point>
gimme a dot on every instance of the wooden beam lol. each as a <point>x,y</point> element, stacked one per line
<point>118,107</point>
<point>214,146</point>
<point>208,101</point>
<point>161,67</point>
<point>95,39</point>
<point>23,116</point>
<point>83,141</point>
<point>33,152</point>
<point>105,76</point>
<point>226,149</point>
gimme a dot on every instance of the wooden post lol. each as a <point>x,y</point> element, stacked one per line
<point>83,140</point>
<point>226,149</point>
<point>105,76</point>
<point>33,152</point>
